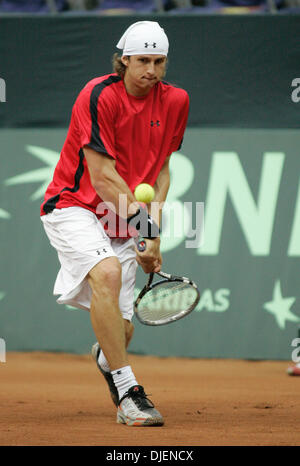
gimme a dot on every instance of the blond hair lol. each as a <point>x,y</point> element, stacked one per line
<point>118,66</point>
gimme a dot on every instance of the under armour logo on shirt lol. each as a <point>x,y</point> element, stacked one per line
<point>155,123</point>
<point>149,45</point>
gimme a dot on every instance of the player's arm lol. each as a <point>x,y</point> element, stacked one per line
<point>161,188</point>
<point>108,184</point>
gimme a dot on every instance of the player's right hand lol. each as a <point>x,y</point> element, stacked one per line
<point>150,260</point>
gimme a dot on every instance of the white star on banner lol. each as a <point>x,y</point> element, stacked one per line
<point>280,307</point>
<point>4,214</point>
<point>41,175</point>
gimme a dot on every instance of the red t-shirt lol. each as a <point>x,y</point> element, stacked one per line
<point>139,133</point>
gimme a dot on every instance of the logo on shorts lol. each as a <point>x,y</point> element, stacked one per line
<point>99,252</point>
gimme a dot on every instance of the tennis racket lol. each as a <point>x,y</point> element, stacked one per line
<point>167,300</point>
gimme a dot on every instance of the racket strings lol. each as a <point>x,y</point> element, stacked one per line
<point>166,301</point>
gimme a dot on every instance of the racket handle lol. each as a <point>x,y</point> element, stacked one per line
<point>140,244</point>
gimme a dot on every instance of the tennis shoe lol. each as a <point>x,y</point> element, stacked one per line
<point>107,375</point>
<point>135,409</point>
<point>294,370</point>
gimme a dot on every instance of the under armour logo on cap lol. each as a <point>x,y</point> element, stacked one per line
<point>149,45</point>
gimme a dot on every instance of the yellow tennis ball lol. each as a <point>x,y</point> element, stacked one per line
<point>144,193</point>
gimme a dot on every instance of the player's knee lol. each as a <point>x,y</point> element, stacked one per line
<point>107,275</point>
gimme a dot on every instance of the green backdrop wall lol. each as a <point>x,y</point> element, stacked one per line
<point>247,267</point>
<point>238,70</point>
<point>240,157</point>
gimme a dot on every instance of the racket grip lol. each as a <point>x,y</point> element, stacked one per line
<point>140,244</point>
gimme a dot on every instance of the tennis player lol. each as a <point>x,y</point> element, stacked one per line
<point>123,129</point>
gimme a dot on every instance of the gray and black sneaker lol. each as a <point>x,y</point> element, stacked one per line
<point>107,375</point>
<point>135,409</point>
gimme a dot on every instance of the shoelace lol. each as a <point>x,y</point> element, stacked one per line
<point>141,400</point>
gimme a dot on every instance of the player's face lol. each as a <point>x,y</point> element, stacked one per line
<point>143,72</point>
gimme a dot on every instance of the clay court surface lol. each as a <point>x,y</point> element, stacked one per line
<point>61,399</point>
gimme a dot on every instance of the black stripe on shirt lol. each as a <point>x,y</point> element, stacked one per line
<point>96,142</point>
<point>179,147</point>
<point>50,205</point>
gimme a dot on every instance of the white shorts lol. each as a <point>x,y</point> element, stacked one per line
<point>81,242</point>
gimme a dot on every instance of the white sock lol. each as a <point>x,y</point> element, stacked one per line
<point>102,361</point>
<point>124,379</point>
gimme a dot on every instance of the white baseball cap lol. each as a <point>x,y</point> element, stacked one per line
<point>144,38</point>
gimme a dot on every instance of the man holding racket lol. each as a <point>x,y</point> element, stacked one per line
<point>123,129</point>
